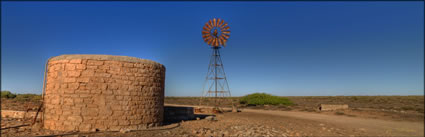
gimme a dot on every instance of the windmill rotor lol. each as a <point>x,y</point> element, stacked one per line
<point>216,32</point>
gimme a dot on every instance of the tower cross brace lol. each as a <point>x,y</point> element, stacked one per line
<point>216,85</point>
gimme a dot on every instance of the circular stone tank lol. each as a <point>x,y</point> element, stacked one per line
<point>103,92</point>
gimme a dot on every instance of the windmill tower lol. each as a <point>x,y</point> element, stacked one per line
<point>215,33</point>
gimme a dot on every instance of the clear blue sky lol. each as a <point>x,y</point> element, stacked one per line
<point>282,48</point>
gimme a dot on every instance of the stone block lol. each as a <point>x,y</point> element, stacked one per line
<point>81,67</point>
<point>83,92</point>
<point>130,65</point>
<point>83,80</point>
<point>68,101</point>
<point>87,73</point>
<point>103,67</point>
<point>69,80</point>
<point>95,91</point>
<point>113,86</point>
<point>73,73</point>
<point>75,61</point>
<point>95,62</point>
<point>85,127</point>
<point>70,67</point>
<point>73,86</point>
<point>91,67</point>
<point>77,119</point>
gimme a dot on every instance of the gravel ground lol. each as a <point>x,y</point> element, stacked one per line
<point>227,124</point>
<point>246,123</point>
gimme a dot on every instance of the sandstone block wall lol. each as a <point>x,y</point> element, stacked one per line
<point>103,92</point>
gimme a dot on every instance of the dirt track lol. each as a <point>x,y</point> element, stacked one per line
<point>256,122</point>
<point>370,126</point>
<point>308,123</point>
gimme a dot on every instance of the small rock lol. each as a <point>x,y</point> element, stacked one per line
<point>211,118</point>
<point>125,130</point>
<point>21,129</point>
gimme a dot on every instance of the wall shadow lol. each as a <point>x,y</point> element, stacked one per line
<point>173,114</point>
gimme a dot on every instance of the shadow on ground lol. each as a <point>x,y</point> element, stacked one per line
<point>173,114</point>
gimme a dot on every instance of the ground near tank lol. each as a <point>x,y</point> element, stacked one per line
<point>256,123</point>
<point>398,108</point>
<point>276,121</point>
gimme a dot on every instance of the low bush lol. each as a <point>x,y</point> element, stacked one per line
<point>28,97</point>
<point>20,97</point>
<point>7,94</point>
<point>264,99</point>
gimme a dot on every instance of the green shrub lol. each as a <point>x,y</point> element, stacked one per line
<point>7,94</point>
<point>28,97</point>
<point>264,99</point>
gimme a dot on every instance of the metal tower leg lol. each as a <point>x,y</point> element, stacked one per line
<point>218,87</point>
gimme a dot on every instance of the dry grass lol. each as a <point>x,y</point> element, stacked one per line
<point>398,103</point>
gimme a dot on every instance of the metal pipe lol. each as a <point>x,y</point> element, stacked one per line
<point>42,94</point>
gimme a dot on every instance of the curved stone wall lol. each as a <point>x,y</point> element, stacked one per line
<point>103,92</point>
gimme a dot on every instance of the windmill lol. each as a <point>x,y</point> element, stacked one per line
<point>216,33</point>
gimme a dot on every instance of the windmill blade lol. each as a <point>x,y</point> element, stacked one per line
<point>205,32</point>
<point>224,42</point>
<point>225,36</point>
<point>207,39</point>
<point>210,23</point>
<point>205,28</point>
<point>214,22</point>
<point>220,41</point>
<point>208,26</point>
<point>226,28</point>
<point>221,23</point>
<point>210,41</point>
<point>206,35</point>
<point>224,25</point>
<point>226,32</point>
<point>214,42</point>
